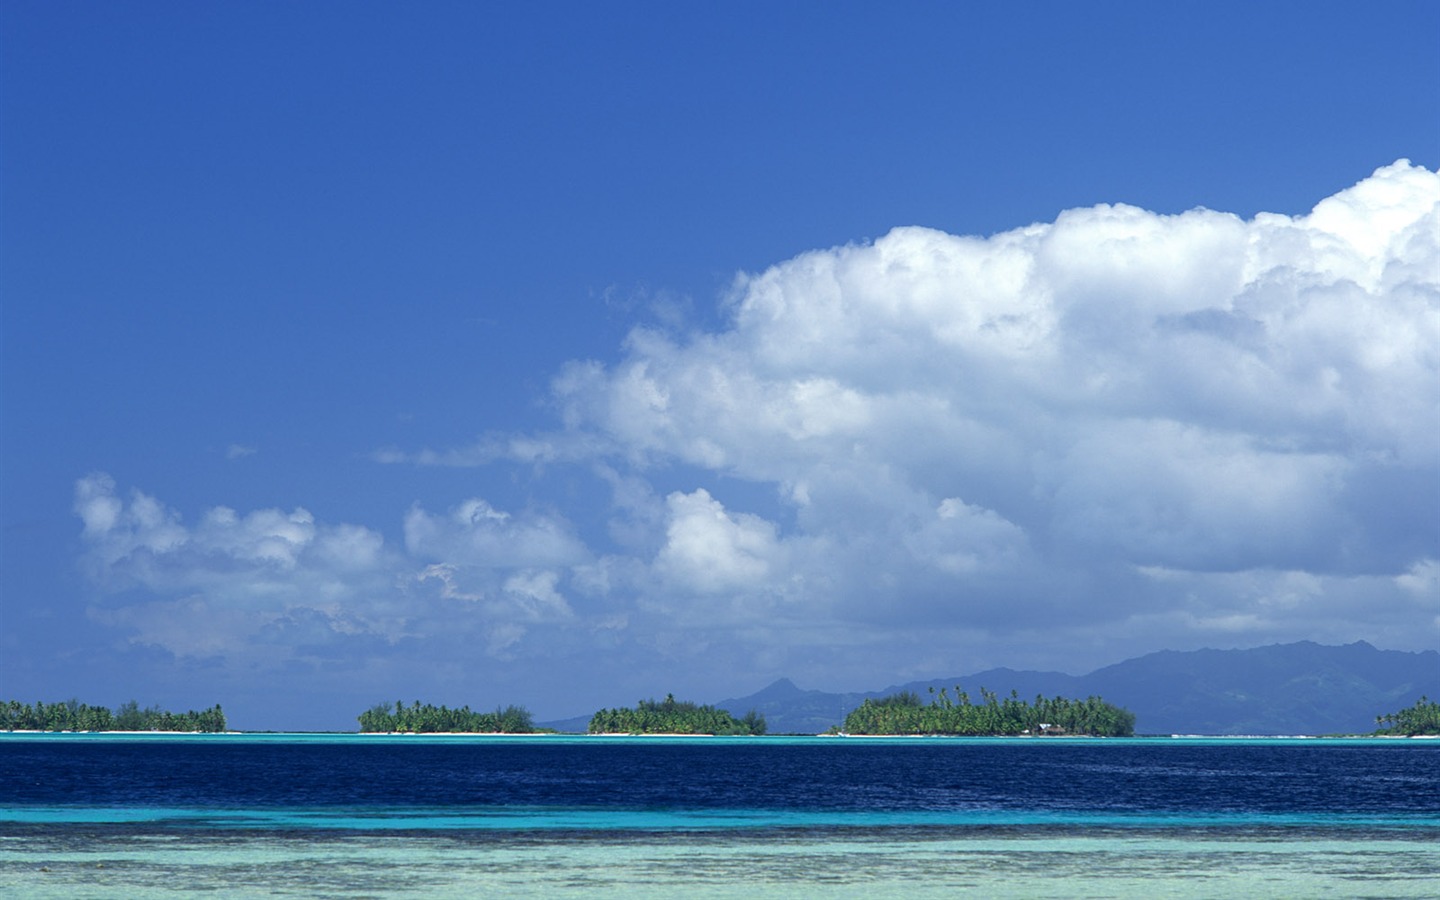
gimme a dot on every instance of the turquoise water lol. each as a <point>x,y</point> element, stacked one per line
<point>852,864</point>
<point>85,816</point>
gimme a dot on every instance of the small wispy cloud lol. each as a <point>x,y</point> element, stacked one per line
<point>524,449</point>
<point>240,451</point>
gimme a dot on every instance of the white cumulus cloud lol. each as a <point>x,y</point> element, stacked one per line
<point>964,424</point>
<point>474,533</point>
<point>1058,445</point>
<point>708,550</point>
<point>270,587</point>
<point>231,580</point>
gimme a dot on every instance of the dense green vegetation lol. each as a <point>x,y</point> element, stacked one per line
<point>1422,718</point>
<point>72,715</point>
<point>429,719</point>
<point>904,713</point>
<point>671,716</point>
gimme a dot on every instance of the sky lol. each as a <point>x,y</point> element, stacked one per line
<point>565,354</point>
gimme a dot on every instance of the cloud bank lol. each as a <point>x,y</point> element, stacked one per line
<point>1055,446</point>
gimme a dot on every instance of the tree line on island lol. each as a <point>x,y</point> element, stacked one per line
<point>902,713</point>
<point>671,716</point>
<point>427,719</point>
<point>72,715</point>
<point>1422,718</point>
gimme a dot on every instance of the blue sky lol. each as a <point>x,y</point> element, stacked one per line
<point>568,354</point>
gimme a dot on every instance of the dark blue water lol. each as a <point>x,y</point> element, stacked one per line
<point>93,817</point>
<point>831,781</point>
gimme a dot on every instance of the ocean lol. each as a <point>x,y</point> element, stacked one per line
<point>349,816</point>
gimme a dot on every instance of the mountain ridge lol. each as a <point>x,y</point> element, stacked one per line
<point>1296,688</point>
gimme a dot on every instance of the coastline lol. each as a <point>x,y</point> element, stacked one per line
<point>827,736</point>
<point>114,731</point>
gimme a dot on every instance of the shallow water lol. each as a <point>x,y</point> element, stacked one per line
<point>1026,863</point>
<point>94,816</point>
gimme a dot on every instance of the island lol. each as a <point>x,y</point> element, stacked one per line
<point>904,713</point>
<point>428,719</point>
<point>671,716</point>
<point>72,715</point>
<point>1412,721</point>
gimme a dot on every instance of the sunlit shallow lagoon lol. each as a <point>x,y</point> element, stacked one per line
<point>360,816</point>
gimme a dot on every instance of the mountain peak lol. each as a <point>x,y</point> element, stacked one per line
<point>777,689</point>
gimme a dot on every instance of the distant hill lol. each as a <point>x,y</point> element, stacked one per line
<point>574,725</point>
<point>1301,688</point>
